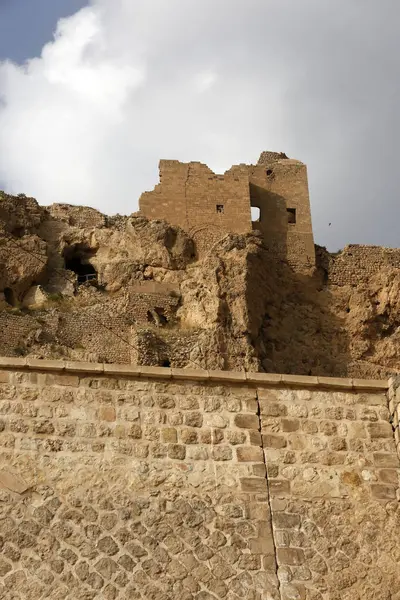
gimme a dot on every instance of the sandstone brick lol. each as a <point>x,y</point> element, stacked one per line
<point>279,487</point>
<point>193,419</point>
<point>189,436</point>
<point>273,409</point>
<point>290,556</point>
<point>380,429</point>
<point>253,484</point>
<point>383,492</point>
<point>289,425</point>
<point>255,438</point>
<point>274,441</point>
<point>68,380</point>
<point>249,454</point>
<point>390,476</point>
<point>247,421</point>
<point>107,413</point>
<point>176,451</point>
<point>283,520</point>
<point>169,435</point>
<point>221,453</point>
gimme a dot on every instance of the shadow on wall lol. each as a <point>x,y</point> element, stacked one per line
<point>272,219</point>
<point>291,323</point>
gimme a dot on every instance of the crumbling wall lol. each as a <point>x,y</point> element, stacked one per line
<point>120,482</point>
<point>356,264</point>
<point>204,204</point>
<point>279,188</point>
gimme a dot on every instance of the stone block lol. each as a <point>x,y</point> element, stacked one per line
<point>233,376</point>
<point>290,556</point>
<point>371,384</point>
<point>380,429</point>
<point>273,409</point>
<point>169,435</point>
<point>192,374</point>
<point>13,482</point>
<point>283,520</point>
<point>274,441</point>
<point>303,381</point>
<point>255,438</point>
<point>107,413</point>
<point>390,476</point>
<point>253,484</point>
<point>176,451</point>
<point>67,380</point>
<point>383,492</point>
<point>247,421</point>
<point>249,454</point>
<point>278,487</point>
<point>290,425</point>
<point>336,382</point>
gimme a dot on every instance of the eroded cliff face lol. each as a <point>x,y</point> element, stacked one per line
<point>77,284</point>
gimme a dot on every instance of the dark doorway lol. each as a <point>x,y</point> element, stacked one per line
<point>76,259</point>
<point>9,297</point>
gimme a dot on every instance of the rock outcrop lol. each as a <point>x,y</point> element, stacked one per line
<point>77,284</point>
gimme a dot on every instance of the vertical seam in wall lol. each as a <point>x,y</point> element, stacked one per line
<point>268,493</point>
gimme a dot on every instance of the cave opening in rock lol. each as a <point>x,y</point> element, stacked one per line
<point>77,259</point>
<point>9,297</point>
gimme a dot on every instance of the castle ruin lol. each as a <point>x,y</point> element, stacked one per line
<point>208,206</point>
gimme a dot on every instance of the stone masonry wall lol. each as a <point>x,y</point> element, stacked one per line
<point>145,483</point>
<point>394,409</point>
<point>204,204</point>
<point>357,264</point>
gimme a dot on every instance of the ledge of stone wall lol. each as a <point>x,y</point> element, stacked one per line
<point>240,377</point>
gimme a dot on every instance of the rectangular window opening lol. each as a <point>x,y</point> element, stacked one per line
<point>220,208</point>
<point>291,214</point>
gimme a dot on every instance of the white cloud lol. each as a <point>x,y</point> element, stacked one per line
<point>127,82</point>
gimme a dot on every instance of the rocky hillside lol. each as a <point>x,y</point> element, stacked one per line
<point>76,284</point>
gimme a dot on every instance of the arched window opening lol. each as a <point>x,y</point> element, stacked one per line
<point>166,363</point>
<point>76,259</point>
<point>255,214</point>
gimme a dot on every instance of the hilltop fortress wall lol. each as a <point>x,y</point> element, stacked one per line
<point>124,482</point>
<point>208,206</point>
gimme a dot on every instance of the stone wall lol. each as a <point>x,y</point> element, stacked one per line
<point>204,204</point>
<point>394,409</point>
<point>280,189</point>
<point>208,206</point>
<point>356,264</point>
<point>124,482</point>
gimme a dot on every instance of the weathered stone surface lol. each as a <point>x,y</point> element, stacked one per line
<point>126,488</point>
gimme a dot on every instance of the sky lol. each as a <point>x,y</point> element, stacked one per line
<point>92,95</point>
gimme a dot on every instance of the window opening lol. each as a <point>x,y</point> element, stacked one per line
<point>269,172</point>
<point>255,214</point>
<point>220,208</point>
<point>291,213</point>
<point>166,363</point>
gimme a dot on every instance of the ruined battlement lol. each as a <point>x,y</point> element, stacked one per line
<point>208,206</point>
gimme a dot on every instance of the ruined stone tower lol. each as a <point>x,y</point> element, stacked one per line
<point>208,206</point>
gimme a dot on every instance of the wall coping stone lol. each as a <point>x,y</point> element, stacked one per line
<point>31,364</point>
